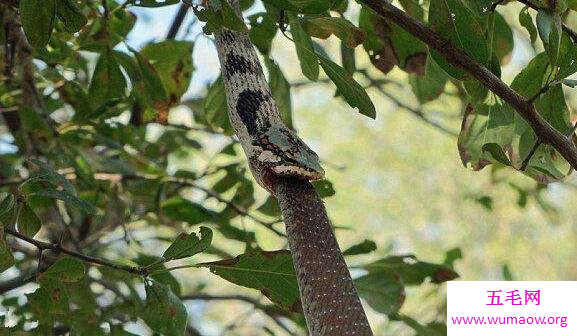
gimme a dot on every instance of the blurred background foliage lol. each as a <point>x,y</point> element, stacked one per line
<point>129,146</point>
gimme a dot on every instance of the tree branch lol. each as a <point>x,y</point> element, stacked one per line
<point>58,248</point>
<point>544,131</point>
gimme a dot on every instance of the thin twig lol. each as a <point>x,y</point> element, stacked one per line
<point>538,94</point>
<point>59,248</point>
<point>538,143</point>
<point>525,163</point>
<point>177,22</point>
<point>373,83</point>
<point>239,209</point>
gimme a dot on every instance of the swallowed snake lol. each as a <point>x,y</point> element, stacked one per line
<point>283,164</point>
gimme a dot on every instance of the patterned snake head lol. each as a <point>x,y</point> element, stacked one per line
<point>285,154</point>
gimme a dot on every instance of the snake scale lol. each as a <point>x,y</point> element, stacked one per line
<point>283,164</point>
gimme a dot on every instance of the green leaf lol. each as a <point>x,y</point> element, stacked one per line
<point>476,91</point>
<point>388,45</point>
<point>75,94</point>
<point>340,6</point>
<point>547,165</point>
<point>230,19</point>
<point>312,6</point>
<point>215,107</point>
<point>8,218</point>
<point>67,198</point>
<point>367,246</point>
<point>478,7</point>
<point>177,208</point>
<point>384,292</point>
<point>301,6</point>
<point>270,272</point>
<point>353,92</point>
<point>497,153</point>
<point>431,85</point>
<point>533,77</point>
<point>151,85</point>
<point>107,81</point>
<point>503,42</point>
<point>158,271</point>
<point>411,270</point>
<point>281,93</point>
<point>28,222</point>
<point>172,61</point>
<point>323,27</point>
<point>324,188</point>
<point>50,299</point>
<point>549,27</point>
<point>7,203</point>
<point>456,23</point>
<point>37,18</point>
<point>65,269</point>
<point>71,15</point>
<point>262,32</point>
<point>6,257</point>
<point>154,3</point>
<point>304,45</point>
<point>270,207</point>
<point>567,57</point>
<point>523,195</point>
<point>526,21</point>
<point>48,173</point>
<point>507,275</point>
<point>164,312</point>
<point>34,123</point>
<point>452,255</point>
<point>211,16</point>
<point>492,132</point>
<point>486,202</point>
<point>187,245</point>
<point>487,123</point>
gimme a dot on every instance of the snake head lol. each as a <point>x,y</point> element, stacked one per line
<point>281,150</point>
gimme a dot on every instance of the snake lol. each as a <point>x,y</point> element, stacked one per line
<point>284,165</point>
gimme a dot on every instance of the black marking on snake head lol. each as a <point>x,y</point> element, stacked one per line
<point>237,64</point>
<point>247,106</point>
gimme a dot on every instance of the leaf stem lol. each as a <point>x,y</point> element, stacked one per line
<point>170,269</point>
